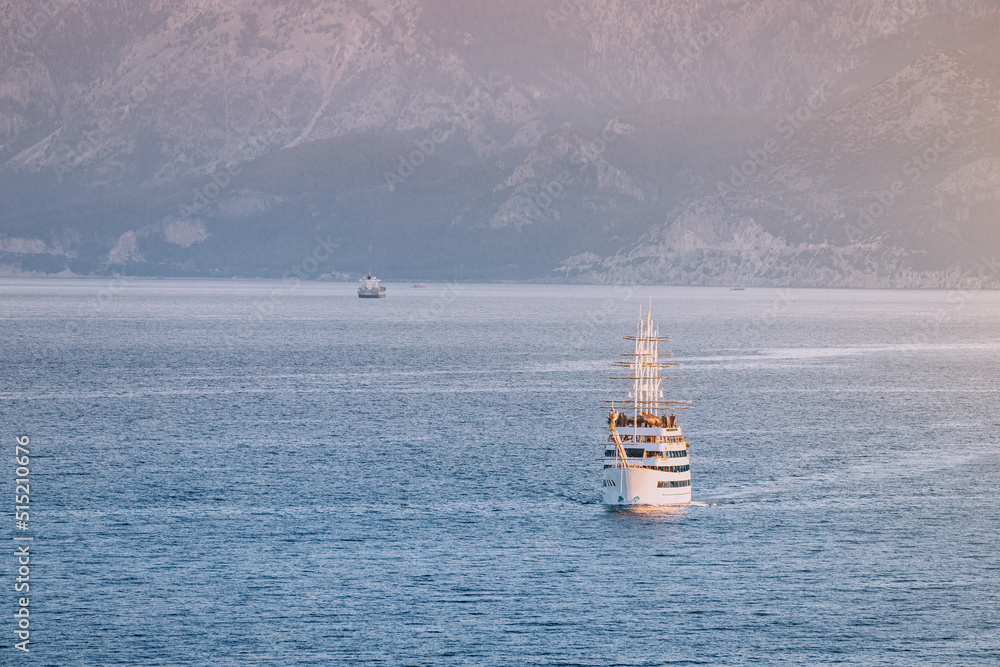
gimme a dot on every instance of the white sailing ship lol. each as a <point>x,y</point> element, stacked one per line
<point>370,288</point>
<point>647,458</point>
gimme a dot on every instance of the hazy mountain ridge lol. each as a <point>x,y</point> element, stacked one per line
<point>149,137</point>
<point>846,202</point>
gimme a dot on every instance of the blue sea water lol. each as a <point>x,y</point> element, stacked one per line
<point>255,473</point>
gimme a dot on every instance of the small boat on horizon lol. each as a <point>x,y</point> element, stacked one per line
<point>739,288</point>
<point>421,285</point>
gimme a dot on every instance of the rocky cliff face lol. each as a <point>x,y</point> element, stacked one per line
<point>581,140</point>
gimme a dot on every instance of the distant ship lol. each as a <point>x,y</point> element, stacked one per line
<point>370,289</point>
<point>647,458</point>
<point>739,288</point>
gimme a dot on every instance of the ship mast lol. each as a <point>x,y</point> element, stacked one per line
<point>644,367</point>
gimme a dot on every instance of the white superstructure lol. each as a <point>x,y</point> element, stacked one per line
<point>647,458</point>
<point>370,288</point>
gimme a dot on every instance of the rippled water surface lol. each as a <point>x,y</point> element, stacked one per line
<point>263,474</point>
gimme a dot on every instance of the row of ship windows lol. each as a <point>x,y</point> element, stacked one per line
<point>673,485</point>
<point>683,468</point>
<point>650,438</point>
<point>638,453</point>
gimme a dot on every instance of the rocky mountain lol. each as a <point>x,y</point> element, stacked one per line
<point>698,141</point>
<point>898,187</point>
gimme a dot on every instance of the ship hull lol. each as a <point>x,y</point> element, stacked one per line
<point>641,486</point>
<point>370,288</point>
